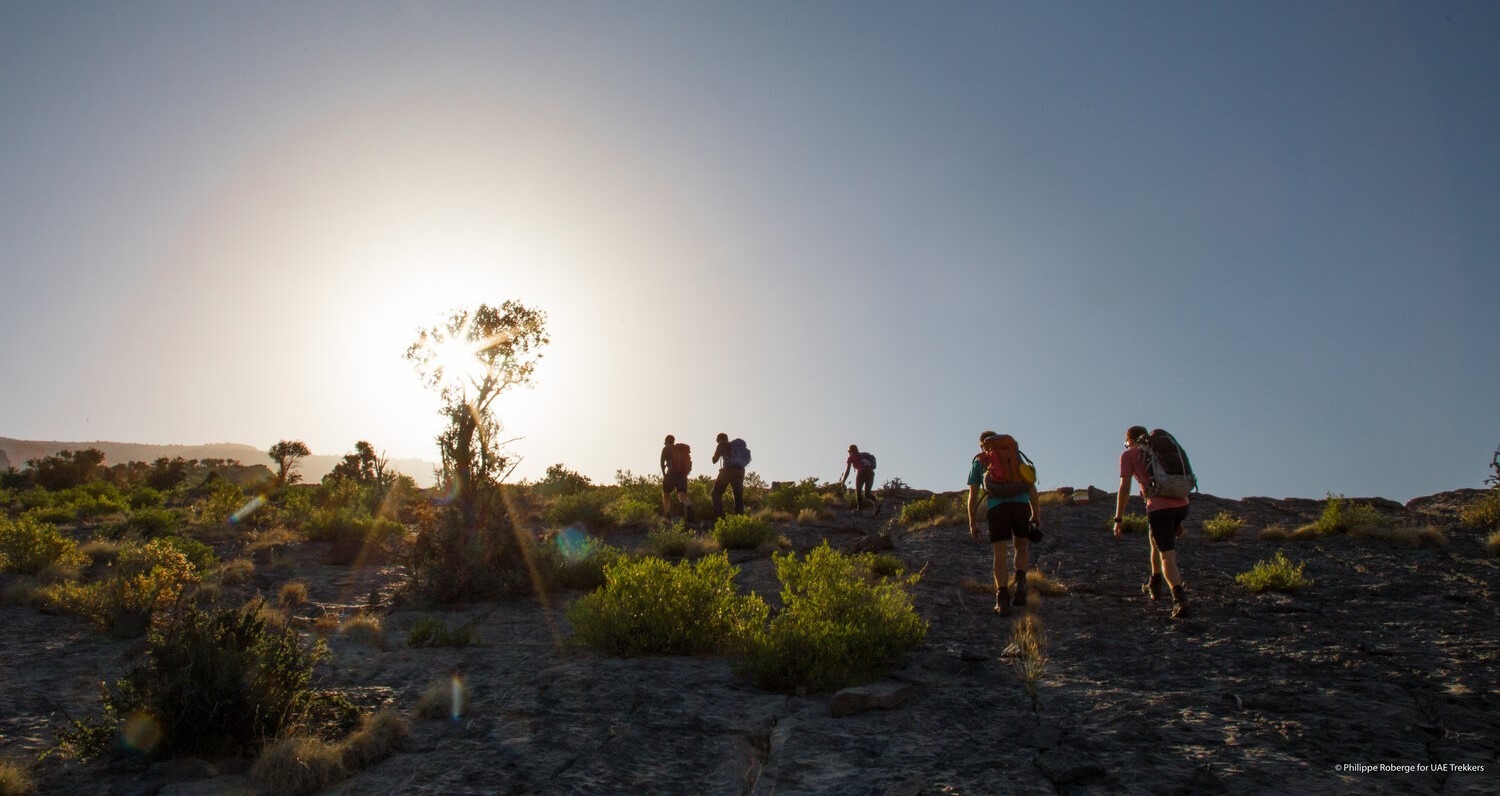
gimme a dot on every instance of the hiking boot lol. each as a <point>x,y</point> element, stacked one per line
<point>1002,602</point>
<point>1179,603</point>
<point>1019,600</point>
<point>1153,588</point>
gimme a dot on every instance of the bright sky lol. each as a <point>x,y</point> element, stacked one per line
<point>1270,227</point>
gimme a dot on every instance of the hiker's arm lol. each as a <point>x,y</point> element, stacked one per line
<point>1036,507</point>
<point>846,473</point>
<point>1121,498</point>
<point>973,505</point>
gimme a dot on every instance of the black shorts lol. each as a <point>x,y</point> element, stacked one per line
<point>674,482</point>
<point>1165,525</point>
<point>1007,520</point>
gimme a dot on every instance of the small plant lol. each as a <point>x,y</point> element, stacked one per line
<point>235,572</point>
<point>650,607</point>
<point>143,579</point>
<point>1274,574</point>
<point>840,625</point>
<point>298,766</point>
<point>152,521</point>
<point>1031,646</point>
<point>573,560</point>
<point>584,509</point>
<point>743,532</point>
<point>1275,533</point>
<point>1483,513</point>
<point>928,510</point>
<point>1130,523</point>
<point>628,511</point>
<point>200,555</point>
<point>432,632</point>
<point>1492,544</point>
<point>1223,526</point>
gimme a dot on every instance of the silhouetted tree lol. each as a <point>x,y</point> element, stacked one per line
<point>286,453</point>
<point>166,473</point>
<point>66,468</point>
<point>364,466</point>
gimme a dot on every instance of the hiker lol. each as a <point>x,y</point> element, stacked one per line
<point>1013,511</point>
<point>676,464</point>
<point>864,478</point>
<point>732,458</point>
<point>1165,516</point>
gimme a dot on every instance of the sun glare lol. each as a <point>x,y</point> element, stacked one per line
<point>459,359</point>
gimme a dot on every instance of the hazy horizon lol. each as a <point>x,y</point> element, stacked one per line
<point>1269,228</point>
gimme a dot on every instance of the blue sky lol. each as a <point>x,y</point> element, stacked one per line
<point>1269,227</point>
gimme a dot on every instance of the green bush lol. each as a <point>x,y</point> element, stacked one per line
<point>218,684</point>
<point>1342,517</point>
<point>432,632</point>
<point>572,560</point>
<point>200,555</point>
<point>224,501</point>
<point>584,509</point>
<point>743,532</point>
<point>1274,574</point>
<point>28,546</point>
<point>641,488</point>
<point>627,511</point>
<point>650,607</point>
<point>794,498</point>
<point>1130,523</point>
<point>1223,526</point>
<point>350,523</point>
<point>928,509</point>
<point>841,623</point>
<point>455,559</point>
<point>55,515</point>
<point>560,481</point>
<point>153,522</point>
<point>1483,513</point>
<point>142,579</point>
<point>144,497</point>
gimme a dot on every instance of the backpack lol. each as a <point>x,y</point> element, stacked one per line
<point>866,460</point>
<point>680,460</point>
<point>1008,471</point>
<point>1168,466</point>
<point>738,455</point>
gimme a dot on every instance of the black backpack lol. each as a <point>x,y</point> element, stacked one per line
<point>1168,466</point>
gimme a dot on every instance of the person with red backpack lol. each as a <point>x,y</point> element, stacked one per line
<point>676,465</point>
<point>864,478</point>
<point>1012,510</point>
<point>1164,512</point>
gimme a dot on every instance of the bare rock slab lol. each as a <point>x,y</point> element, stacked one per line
<point>865,698</point>
<point>1065,766</point>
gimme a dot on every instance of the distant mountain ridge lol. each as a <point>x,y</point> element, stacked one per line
<point>16,452</point>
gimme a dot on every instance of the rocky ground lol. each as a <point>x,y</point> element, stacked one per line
<point>1389,659</point>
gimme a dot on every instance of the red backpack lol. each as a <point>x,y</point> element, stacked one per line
<point>680,460</point>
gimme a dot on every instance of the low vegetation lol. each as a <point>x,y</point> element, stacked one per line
<point>1223,526</point>
<point>1274,574</point>
<point>648,607</point>
<point>1030,660</point>
<point>1341,516</point>
<point>1484,513</point>
<point>15,779</point>
<point>933,510</point>
<point>305,764</point>
<point>743,532</point>
<point>432,632</point>
<point>676,541</point>
<point>1130,523</point>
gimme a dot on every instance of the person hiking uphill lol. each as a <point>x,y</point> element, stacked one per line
<point>1164,514</point>
<point>733,458</point>
<point>864,478</point>
<point>676,464</point>
<point>1013,511</point>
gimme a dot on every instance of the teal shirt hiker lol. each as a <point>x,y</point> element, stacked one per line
<point>976,478</point>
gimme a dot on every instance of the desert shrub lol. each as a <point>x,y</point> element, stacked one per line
<point>572,560</point>
<point>350,523</point>
<point>1483,513</point>
<point>152,522</point>
<point>841,624</point>
<point>56,515</point>
<point>235,571</point>
<point>885,565</point>
<point>743,532</point>
<point>560,481</point>
<point>143,579</point>
<point>926,510</point>
<point>28,546</point>
<point>1341,516</point>
<point>144,497</point>
<point>200,555</point>
<point>432,632</point>
<point>794,498</point>
<point>1223,526</point>
<point>580,509</point>
<point>97,499</point>
<point>292,594</point>
<point>643,488</point>
<point>625,511</point>
<point>224,500</point>
<point>443,699</point>
<point>455,559</point>
<point>15,779</point>
<point>668,540</point>
<point>649,607</point>
<point>223,682</point>
<point>1274,574</point>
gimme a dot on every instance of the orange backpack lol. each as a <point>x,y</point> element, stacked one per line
<point>681,459</point>
<point>1008,471</point>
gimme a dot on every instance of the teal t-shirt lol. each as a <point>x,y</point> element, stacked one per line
<point>976,478</point>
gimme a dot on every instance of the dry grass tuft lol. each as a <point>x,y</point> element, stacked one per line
<point>15,779</point>
<point>364,629</point>
<point>327,624</point>
<point>235,572</point>
<point>1052,498</point>
<point>377,737</point>
<point>101,551</point>
<point>22,591</point>
<point>437,702</point>
<point>1492,544</point>
<point>809,516</point>
<point>1429,536</point>
<point>293,594</point>
<point>1039,583</point>
<point>1031,642</point>
<point>1275,533</point>
<point>297,766</point>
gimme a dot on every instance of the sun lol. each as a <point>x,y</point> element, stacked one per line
<point>458,359</point>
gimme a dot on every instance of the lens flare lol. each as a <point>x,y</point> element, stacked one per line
<point>574,544</point>
<point>456,693</point>
<point>141,732</point>
<point>247,509</point>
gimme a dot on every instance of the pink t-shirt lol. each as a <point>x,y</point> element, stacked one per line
<point>854,462</point>
<point>1133,464</point>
